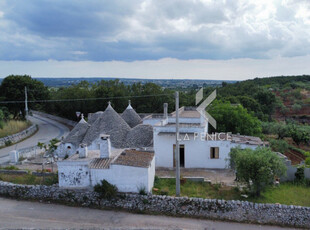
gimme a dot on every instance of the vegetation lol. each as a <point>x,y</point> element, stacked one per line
<point>13,126</point>
<point>29,179</point>
<point>286,193</point>
<point>235,119</point>
<point>12,88</point>
<point>105,190</point>
<point>256,168</point>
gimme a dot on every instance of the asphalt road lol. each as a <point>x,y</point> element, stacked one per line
<point>24,214</point>
<point>48,129</point>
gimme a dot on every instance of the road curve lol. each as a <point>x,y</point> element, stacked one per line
<point>32,215</point>
<point>48,129</point>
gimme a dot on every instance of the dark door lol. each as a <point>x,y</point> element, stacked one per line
<point>182,156</point>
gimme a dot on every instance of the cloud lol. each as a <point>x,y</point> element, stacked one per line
<point>153,29</point>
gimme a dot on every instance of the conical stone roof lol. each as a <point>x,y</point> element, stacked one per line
<point>111,123</point>
<point>94,117</point>
<point>77,134</point>
<point>131,117</point>
<point>140,136</point>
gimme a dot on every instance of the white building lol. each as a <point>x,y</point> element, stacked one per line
<point>130,170</point>
<point>198,149</point>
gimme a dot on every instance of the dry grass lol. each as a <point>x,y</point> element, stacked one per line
<point>13,126</point>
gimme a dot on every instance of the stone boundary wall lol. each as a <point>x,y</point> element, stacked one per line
<point>18,136</point>
<point>56,118</point>
<point>239,211</point>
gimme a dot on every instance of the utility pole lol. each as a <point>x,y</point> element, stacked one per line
<point>177,147</point>
<point>26,102</point>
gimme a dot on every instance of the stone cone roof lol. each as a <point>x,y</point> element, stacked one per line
<point>77,134</point>
<point>140,136</point>
<point>111,123</point>
<point>94,117</point>
<point>131,117</point>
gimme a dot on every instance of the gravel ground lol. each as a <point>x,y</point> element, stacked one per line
<point>225,176</point>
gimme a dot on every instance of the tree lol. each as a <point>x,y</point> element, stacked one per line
<point>299,134</point>
<point>13,89</point>
<point>256,168</point>
<point>235,119</point>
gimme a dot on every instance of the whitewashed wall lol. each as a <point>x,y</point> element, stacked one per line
<point>73,174</point>
<point>197,152</point>
<point>126,178</point>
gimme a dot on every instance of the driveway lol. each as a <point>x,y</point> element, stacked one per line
<point>33,215</point>
<point>48,129</point>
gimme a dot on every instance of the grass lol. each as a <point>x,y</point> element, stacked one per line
<point>196,189</point>
<point>286,193</point>
<point>29,179</point>
<point>13,126</point>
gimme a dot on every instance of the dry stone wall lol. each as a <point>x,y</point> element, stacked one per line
<point>18,136</point>
<point>240,211</point>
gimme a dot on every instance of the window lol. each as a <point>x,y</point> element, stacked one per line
<point>214,152</point>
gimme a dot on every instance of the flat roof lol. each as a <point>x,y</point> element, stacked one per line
<point>134,158</point>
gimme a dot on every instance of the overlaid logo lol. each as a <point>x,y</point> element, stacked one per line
<point>202,107</point>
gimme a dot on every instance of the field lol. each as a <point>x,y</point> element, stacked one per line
<point>286,193</point>
<point>12,127</point>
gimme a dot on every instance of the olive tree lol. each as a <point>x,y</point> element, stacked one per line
<point>256,168</point>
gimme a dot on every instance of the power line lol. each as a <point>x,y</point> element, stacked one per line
<point>84,99</point>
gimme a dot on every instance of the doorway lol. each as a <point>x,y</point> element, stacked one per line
<point>182,156</point>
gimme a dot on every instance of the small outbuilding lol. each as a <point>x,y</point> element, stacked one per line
<point>129,169</point>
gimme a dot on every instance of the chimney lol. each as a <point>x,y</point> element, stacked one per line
<point>165,110</point>
<point>83,151</point>
<point>105,146</point>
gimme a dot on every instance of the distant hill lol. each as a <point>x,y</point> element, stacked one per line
<point>167,83</point>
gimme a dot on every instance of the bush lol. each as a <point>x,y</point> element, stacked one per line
<point>300,174</point>
<point>256,168</point>
<point>106,190</point>
<point>279,145</point>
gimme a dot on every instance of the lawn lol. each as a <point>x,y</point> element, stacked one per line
<point>286,193</point>
<point>12,127</point>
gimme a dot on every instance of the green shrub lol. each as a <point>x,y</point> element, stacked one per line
<point>8,143</point>
<point>300,174</point>
<point>279,145</point>
<point>142,190</point>
<point>11,167</point>
<point>105,190</point>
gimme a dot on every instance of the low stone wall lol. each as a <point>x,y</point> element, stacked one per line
<point>56,118</point>
<point>18,136</point>
<point>240,211</point>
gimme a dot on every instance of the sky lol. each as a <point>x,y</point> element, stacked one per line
<point>192,39</point>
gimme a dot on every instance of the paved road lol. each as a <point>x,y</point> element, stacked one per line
<point>48,129</point>
<point>24,214</point>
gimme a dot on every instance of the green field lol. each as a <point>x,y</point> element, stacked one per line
<point>13,126</point>
<point>286,193</point>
